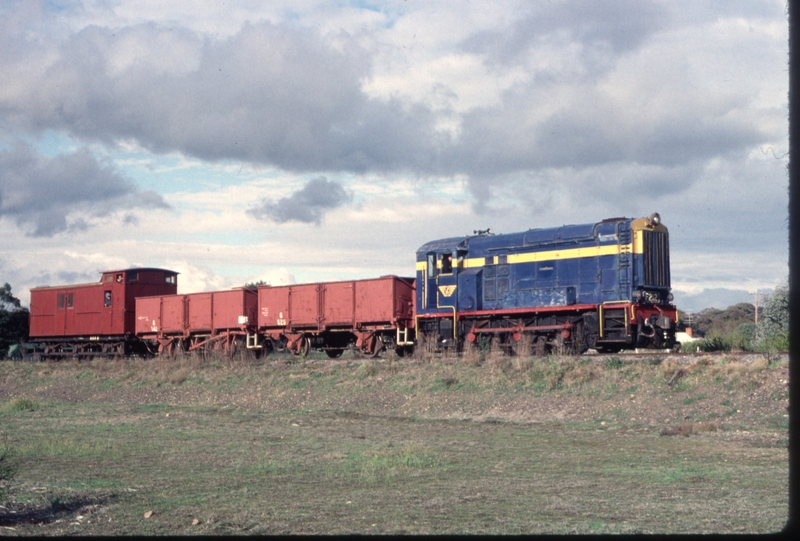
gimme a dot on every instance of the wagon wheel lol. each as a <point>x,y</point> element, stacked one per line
<point>377,348</point>
<point>266,348</point>
<point>303,347</point>
<point>334,353</point>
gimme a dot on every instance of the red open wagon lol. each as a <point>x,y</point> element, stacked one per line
<point>216,320</point>
<point>370,315</point>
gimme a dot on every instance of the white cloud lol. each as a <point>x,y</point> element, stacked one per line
<point>438,118</point>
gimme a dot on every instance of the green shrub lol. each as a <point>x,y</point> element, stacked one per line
<point>20,404</point>
<point>8,469</point>
<point>614,362</point>
<point>716,343</point>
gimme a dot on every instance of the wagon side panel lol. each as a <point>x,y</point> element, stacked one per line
<point>199,312</point>
<point>273,307</point>
<point>338,304</point>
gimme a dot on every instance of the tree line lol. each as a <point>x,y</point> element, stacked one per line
<point>735,328</point>
<point>13,320</point>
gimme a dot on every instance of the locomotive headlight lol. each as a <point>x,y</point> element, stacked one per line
<point>637,295</point>
<point>670,297</point>
<point>655,219</point>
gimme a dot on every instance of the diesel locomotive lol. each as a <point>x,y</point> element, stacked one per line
<point>603,285</point>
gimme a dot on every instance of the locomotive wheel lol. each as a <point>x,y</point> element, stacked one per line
<point>334,353</point>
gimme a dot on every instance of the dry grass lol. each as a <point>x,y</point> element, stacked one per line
<point>686,429</point>
<point>427,348</point>
<point>517,445</point>
<point>525,346</point>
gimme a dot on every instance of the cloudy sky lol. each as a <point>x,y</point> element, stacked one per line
<point>303,140</point>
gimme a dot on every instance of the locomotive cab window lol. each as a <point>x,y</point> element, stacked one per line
<point>107,298</point>
<point>133,276</point>
<point>447,264</point>
<point>70,299</point>
<point>171,279</point>
<point>61,300</point>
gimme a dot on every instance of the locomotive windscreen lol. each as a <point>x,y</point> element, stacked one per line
<point>656,258</point>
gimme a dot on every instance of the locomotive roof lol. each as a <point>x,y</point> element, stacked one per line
<point>531,237</point>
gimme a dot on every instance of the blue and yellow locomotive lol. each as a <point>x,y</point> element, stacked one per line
<point>603,285</point>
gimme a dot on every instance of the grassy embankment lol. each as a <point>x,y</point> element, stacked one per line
<point>506,445</point>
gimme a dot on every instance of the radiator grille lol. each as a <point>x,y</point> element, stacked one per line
<point>656,259</point>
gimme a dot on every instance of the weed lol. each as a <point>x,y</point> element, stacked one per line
<point>20,404</point>
<point>427,347</point>
<point>524,347</point>
<point>687,429</point>
<point>367,369</point>
<point>179,376</point>
<point>780,395</point>
<point>779,421</point>
<point>681,385</point>
<point>8,469</point>
<point>441,384</point>
<point>388,466</point>
<point>614,363</point>
<point>692,399</point>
